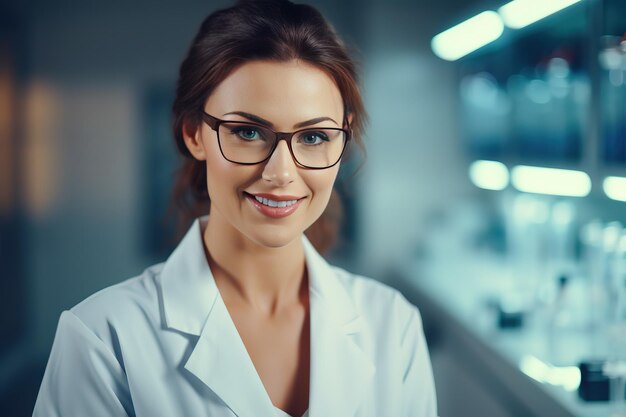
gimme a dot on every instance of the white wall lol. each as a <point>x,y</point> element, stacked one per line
<point>415,162</point>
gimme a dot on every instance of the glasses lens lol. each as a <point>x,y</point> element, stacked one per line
<point>318,148</point>
<point>245,143</point>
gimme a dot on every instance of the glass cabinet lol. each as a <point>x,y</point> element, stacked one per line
<point>552,93</point>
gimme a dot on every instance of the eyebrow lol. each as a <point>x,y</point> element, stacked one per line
<point>264,122</point>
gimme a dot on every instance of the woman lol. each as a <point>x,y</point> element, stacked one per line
<point>245,318</point>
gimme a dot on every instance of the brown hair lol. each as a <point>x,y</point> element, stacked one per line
<point>276,30</point>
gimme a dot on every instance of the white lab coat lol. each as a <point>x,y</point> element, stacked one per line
<point>164,344</point>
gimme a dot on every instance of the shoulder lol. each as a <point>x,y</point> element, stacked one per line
<point>365,290</point>
<point>128,303</point>
<point>378,302</point>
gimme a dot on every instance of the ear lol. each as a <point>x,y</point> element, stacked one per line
<point>193,141</point>
<point>349,118</point>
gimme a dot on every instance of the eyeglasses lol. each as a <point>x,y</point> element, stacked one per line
<point>249,143</point>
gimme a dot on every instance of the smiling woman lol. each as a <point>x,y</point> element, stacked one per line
<point>245,318</point>
<point>244,161</point>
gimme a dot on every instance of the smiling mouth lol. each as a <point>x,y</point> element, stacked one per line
<point>274,207</point>
<point>273,203</point>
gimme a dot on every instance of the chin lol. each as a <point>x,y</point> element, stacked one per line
<point>275,237</point>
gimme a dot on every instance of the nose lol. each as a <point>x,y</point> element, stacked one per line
<point>280,169</point>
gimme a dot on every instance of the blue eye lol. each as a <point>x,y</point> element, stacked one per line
<point>247,133</point>
<point>313,138</point>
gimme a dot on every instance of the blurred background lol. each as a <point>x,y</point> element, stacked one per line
<point>493,194</point>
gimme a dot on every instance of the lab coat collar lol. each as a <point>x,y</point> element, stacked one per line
<point>187,284</point>
<point>340,369</point>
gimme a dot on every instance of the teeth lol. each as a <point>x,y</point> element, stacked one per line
<point>272,203</point>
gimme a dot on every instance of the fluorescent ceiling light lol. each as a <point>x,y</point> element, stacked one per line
<point>489,175</point>
<point>615,188</point>
<point>520,13</point>
<point>467,36</point>
<point>552,181</point>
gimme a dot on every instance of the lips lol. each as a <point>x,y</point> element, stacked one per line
<point>274,206</point>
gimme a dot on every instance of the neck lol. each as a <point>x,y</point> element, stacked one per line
<point>266,279</point>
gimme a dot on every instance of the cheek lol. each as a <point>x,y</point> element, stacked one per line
<point>215,170</point>
<point>321,184</point>
<point>224,177</point>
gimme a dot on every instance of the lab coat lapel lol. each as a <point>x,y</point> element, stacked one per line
<point>192,304</point>
<point>340,370</point>
<point>221,361</point>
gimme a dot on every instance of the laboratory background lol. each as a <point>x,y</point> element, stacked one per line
<point>493,194</point>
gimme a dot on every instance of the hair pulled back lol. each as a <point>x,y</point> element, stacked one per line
<point>274,30</point>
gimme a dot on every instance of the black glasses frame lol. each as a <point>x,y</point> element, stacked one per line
<point>214,123</point>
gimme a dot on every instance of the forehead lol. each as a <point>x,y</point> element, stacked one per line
<point>282,92</point>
